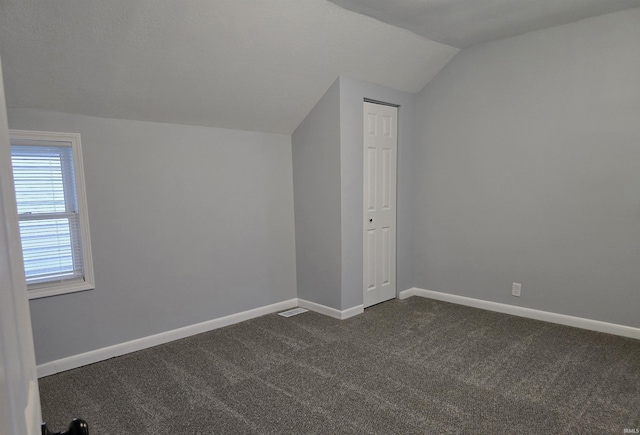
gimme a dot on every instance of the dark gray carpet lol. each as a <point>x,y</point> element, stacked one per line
<point>416,366</point>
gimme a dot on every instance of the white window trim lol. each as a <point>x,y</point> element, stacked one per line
<point>35,291</point>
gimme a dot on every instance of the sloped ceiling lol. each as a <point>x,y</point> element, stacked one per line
<point>243,64</point>
<point>463,23</point>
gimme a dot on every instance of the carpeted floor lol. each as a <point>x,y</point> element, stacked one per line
<point>415,366</point>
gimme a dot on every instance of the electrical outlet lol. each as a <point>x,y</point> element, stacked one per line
<point>515,289</point>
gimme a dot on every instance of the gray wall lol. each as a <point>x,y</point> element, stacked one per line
<point>328,190</point>
<point>352,94</point>
<point>527,171</point>
<point>187,224</point>
<point>316,186</point>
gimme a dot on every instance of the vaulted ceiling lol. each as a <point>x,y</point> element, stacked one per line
<point>463,23</point>
<point>242,64</point>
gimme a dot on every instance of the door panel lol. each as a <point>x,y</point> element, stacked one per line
<point>380,156</point>
<point>371,259</point>
<point>19,398</point>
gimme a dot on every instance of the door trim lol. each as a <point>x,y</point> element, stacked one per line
<point>381,103</point>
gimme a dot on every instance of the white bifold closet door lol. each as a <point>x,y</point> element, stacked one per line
<point>380,155</point>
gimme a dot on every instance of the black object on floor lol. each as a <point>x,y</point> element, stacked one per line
<point>76,427</point>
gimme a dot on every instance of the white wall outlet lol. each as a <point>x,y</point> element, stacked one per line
<point>515,289</point>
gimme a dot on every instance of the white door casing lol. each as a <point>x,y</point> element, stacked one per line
<point>380,156</point>
<point>19,398</point>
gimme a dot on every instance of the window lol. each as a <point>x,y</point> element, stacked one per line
<point>52,212</point>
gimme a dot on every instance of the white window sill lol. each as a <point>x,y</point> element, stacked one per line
<point>42,291</point>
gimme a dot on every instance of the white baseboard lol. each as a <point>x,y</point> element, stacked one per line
<point>351,312</point>
<point>75,361</point>
<point>104,353</point>
<point>562,319</point>
<point>404,294</point>
<point>331,312</point>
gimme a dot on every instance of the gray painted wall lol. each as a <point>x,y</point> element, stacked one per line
<point>187,224</point>
<point>316,186</point>
<point>527,171</point>
<point>352,94</point>
<point>328,189</point>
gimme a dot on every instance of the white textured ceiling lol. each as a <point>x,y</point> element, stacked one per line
<point>242,64</point>
<point>463,23</point>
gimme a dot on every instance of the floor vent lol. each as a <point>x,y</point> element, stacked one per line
<point>293,312</point>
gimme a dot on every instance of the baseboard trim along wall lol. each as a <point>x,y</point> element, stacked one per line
<point>75,361</point>
<point>562,319</point>
<point>104,353</point>
<point>331,312</point>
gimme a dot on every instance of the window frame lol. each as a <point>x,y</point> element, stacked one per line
<point>58,287</point>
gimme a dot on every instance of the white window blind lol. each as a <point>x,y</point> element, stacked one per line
<point>46,196</point>
<point>52,212</point>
